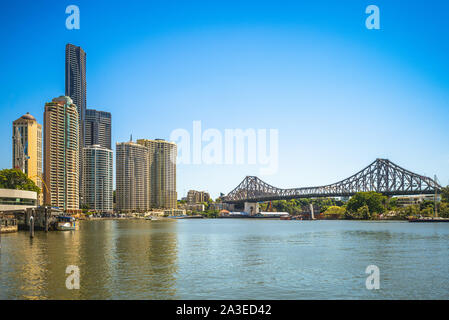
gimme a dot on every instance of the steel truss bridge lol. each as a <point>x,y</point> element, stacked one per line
<point>381,176</point>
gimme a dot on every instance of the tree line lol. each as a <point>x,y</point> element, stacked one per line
<point>373,205</point>
<point>16,179</point>
<point>363,206</point>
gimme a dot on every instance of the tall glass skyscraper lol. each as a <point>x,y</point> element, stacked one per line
<point>75,88</point>
<point>75,77</point>
<point>97,128</point>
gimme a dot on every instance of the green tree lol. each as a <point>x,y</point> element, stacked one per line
<point>392,203</point>
<point>427,212</point>
<point>445,194</point>
<point>373,200</point>
<point>16,179</point>
<point>209,213</point>
<point>408,211</point>
<point>363,213</point>
<point>427,204</point>
<point>444,210</point>
<point>335,212</point>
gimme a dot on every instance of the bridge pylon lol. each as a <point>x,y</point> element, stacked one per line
<point>251,207</point>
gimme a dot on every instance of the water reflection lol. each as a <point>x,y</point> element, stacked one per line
<point>117,260</point>
<point>228,259</point>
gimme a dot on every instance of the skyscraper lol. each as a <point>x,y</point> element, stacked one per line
<point>75,88</point>
<point>97,184</point>
<point>194,196</point>
<point>75,78</point>
<point>98,128</point>
<point>27,148</point>
<point>162,172</point>
<point>61,157</point>
<point>132,179</point>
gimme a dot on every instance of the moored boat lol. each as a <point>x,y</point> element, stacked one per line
<point>65,223</point>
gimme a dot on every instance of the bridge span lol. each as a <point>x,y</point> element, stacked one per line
<point>382,176</point>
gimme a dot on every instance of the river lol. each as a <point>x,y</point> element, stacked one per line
<point>228,259</point>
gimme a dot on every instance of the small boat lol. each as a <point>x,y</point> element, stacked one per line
<point>285,218</point>
<point>65,223</point>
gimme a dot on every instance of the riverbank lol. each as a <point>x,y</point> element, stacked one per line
<point>429,219</point>
<point>291,218</point>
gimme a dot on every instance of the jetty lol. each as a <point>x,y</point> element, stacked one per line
<point>8,224</point>
<point>41,219</point>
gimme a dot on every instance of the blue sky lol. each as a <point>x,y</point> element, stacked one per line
<point>339,94</point>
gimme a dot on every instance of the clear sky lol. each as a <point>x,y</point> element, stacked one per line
<point>339,94</point>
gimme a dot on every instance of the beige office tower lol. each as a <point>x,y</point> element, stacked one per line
<point>61,159</point>
<point>132,189</point>
<point>162,166</point>
<point>27,149</point>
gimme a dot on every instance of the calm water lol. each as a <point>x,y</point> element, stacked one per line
<point>229,259</point>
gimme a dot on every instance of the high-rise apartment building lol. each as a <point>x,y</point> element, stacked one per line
<point>75,88</point>
<point>27,149</point>
<point>132,177</point>
<point>194,197</point>
<point>97,183</point>
<point>162,172</point>
<point>97,128</point>
<point>61,154</point>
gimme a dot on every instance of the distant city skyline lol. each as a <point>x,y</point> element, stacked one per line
<point>339,94</point>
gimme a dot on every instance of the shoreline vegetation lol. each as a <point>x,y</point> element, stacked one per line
<point>362,206</point>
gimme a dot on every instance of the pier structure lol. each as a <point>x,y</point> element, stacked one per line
<point>8,224</point>
<point>43,219</point>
